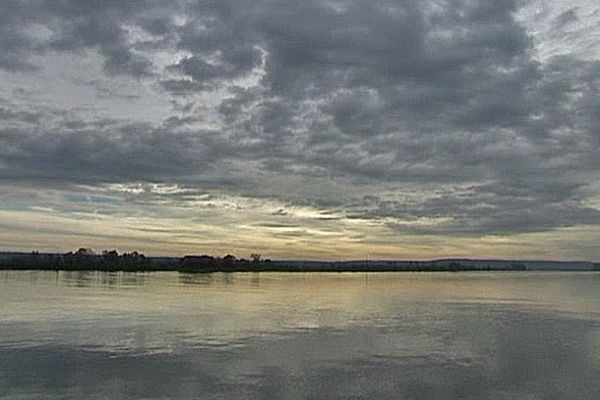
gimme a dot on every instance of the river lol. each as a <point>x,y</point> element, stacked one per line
<point>465,335</point>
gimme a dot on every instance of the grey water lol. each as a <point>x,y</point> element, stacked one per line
<point>488,335</point>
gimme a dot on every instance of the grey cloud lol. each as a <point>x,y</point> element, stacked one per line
<point>70,26</point>
<point>371,45</point>
<point>233,63</point>
<point>481,210</point>
<point>182,87</point>
<point>23,116</point>
<point>318,43</point>
<point>120,153</point>
<point>99,28</point>
<point>377,95</point>
<point>566,17</point>
<point>16,45</point>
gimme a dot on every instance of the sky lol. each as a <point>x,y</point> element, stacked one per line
<point>302,129</point>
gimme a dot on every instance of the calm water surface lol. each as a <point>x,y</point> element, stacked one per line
<point>491,335</point>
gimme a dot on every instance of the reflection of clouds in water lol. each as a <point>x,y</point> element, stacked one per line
<point>296,336</point>
<point>502,355</point>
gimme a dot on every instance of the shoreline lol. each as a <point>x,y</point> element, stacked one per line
<point>111,261</point>
<point>290,270</point>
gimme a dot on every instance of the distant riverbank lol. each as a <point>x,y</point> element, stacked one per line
<point>86,260</point>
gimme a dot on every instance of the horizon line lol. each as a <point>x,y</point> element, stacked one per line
<point>436,259</point>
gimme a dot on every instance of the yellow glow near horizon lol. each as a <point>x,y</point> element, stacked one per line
<point>339,239</point>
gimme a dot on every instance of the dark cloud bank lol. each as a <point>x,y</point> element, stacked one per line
<point>446,97</point>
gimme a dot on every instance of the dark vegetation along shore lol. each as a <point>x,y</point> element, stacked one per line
<point>85,259</point>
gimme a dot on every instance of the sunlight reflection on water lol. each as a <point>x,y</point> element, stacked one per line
<point>494,335</point>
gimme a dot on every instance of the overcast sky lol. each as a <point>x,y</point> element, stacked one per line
<point>302,129</point>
